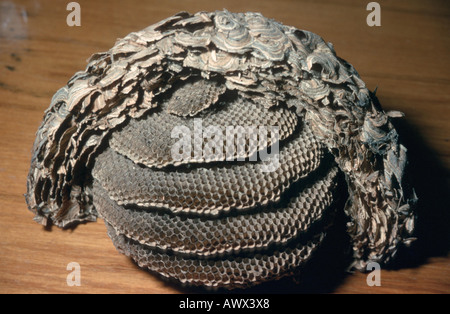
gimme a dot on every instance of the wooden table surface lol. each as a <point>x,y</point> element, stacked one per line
<point>407,57</point>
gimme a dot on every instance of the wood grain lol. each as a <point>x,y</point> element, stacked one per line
<point>407,58</point>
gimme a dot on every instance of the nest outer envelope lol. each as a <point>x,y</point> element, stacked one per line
<point>255,58</point>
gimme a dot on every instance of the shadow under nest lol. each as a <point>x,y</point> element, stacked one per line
<point>329,266</point>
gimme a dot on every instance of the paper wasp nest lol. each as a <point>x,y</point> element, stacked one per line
<point>218,216</point>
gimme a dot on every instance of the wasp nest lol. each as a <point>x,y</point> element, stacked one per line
<point>227,213</point>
